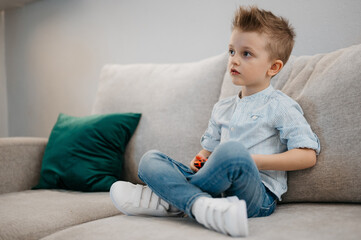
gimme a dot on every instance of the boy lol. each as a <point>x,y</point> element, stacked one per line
<point>251,140</point>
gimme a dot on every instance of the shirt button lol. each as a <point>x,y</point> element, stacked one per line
<point>254,117</point>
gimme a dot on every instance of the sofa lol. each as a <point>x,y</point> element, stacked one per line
<point>176,100</point>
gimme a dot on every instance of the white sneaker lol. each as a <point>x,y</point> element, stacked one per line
<point>132,199</point>
<point>225,215</point>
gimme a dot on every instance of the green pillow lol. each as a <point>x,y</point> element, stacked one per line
<point>86,153</point>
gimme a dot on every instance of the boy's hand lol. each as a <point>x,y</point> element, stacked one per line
<point>204,153</point>
<point>193,168</point>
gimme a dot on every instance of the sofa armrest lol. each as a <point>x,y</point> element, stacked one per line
<point>20,163</point>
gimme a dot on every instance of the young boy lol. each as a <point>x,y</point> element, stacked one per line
<point>251,140</point>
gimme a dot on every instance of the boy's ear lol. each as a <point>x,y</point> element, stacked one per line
<point>275,68</point>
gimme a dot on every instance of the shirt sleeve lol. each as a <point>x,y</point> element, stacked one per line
<point>294,129</point>
<point>212,136</point>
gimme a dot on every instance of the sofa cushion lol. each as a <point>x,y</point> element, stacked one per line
<point>175,100</point>
<point>86,153</point>
<point>35,214</point>
<point>290,221</point>
<point>327,86</point>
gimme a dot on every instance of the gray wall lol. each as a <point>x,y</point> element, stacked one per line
<point>3,88</point>
<point>55,49</point>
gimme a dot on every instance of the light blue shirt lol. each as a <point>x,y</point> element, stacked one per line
<point>266,122</point>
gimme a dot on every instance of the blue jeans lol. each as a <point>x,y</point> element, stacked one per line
<point>229,171</point>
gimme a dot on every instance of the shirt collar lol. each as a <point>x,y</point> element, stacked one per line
<point>262,94</point>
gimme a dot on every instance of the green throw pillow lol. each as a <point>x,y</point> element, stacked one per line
<point>86,153</point>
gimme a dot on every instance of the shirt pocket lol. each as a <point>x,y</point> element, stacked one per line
<point>256,117</point>
<point>253,122</point>
<point>254,129</point>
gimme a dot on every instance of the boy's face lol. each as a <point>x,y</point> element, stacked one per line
<point>249,62</point>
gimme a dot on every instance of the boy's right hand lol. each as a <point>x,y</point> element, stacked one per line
<point>204,153</point>
<point>193,168</point>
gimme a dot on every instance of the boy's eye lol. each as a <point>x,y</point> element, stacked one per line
<point>231,52</point>
<point>247,54</point>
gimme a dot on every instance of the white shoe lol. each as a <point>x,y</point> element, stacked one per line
<point>132,199</point>
<point>225,215</point>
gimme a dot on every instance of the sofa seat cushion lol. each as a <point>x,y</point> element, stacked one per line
<point>37,213</point>
<point>290,221</point>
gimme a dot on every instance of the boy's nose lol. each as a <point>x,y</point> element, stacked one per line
<point>234,61</point>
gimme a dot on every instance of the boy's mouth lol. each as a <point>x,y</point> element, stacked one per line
<point>234,72</point>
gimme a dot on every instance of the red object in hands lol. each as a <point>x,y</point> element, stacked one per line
<point>200,161</point>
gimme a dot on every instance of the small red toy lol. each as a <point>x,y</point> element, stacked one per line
<point>200,161</point>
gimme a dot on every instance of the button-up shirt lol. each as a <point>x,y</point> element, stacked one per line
<point>267,122</point>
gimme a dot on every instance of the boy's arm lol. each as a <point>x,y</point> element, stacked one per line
<point>203,153</point>
<point>294,159</point>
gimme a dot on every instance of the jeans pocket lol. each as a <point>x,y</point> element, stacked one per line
<point>267,210</point>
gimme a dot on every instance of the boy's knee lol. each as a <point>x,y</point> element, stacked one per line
<point>233,153</point>
<point>150,163</point>
<point>150,155</point>
<point>233,149</point>
<point>148,158</point>
<point>233,146</point>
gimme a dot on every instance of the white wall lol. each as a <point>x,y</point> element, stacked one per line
<point>3,88</point>
<point>55,49</point>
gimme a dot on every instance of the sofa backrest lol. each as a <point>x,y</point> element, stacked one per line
<point>175,100</point>
<point>328,88</point>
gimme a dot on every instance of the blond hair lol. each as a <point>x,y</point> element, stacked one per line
<point>279,32</point>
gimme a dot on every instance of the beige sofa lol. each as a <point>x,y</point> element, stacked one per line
<point>176,101</point>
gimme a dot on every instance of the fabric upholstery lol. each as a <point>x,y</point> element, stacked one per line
<point>20,161</point>
<point>175,100</point>
<point>37,213</point>
<point>290,221</point>
<point>327,86</point>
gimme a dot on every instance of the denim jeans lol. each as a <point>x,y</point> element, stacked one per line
<point>229,171</point>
